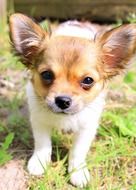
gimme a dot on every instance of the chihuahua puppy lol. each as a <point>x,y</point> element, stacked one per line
<point>70,68</point>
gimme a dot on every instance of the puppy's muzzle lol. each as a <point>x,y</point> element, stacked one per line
<point>63,102</point>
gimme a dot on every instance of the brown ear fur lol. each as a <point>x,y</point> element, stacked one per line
<point>118,46</point>
<point>27,37</point>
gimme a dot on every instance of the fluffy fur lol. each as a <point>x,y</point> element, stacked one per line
<point>72,53</point>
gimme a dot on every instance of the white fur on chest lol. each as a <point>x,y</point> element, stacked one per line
<point>88,117</point>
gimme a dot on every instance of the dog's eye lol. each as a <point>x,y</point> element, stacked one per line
<point>47,76</point>
<point>87,83</point>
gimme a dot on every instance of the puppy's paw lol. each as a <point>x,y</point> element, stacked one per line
<point>36,166</point>
<point>80,178</point>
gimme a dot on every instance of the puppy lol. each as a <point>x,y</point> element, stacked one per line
<point>70,69</point>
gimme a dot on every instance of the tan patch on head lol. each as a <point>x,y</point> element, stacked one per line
<point>40,88</point>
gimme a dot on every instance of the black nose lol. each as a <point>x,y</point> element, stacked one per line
<point>63,102</point>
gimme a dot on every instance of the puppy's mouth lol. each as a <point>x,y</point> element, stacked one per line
<point>65,112</point>
<point>63,105</point>
<point>57,110</point>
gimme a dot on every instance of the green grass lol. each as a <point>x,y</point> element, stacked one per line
<point>112,157</point>
<point>111,162</point>
<point>120,122</point>
<point>4,154</point>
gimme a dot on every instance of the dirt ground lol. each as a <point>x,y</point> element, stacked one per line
<point>13,176</point>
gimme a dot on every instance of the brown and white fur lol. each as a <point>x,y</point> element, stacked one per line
<point>73,63</point>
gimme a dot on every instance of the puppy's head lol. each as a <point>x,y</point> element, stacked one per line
<point>69,72</point>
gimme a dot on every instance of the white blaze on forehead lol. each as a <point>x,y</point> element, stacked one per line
<point>76,29</point>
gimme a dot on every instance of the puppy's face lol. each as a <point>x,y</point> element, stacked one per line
<point>69,72</point>
<point>66,77</point>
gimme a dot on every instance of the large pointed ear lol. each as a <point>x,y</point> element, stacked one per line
<point>27,37</point>
<point>118,47</point>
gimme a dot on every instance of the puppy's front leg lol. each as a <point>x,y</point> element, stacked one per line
<point>77,165</point>
<point>42,152</point>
